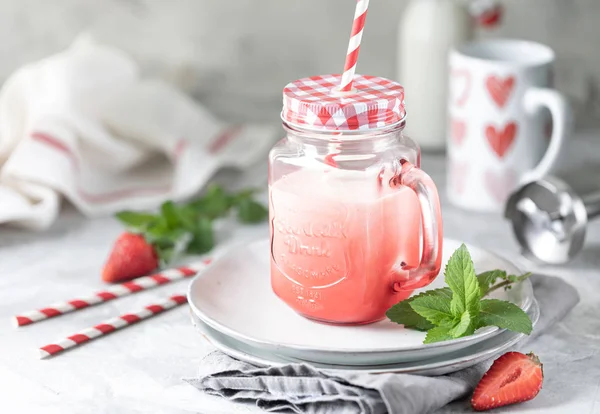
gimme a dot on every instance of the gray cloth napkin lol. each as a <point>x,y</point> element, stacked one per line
<point>300,388</point>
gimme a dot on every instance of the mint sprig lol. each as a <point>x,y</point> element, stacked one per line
<point>460,277</point>
<point>188,228</point>
<point>460,309</point>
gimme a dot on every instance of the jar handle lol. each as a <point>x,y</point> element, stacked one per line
<point>431,221</point>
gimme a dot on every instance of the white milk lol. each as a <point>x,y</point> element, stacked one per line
<point>428,30</point>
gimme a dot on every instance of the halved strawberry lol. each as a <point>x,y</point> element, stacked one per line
<point>512,378</point>
<point>132,256</point>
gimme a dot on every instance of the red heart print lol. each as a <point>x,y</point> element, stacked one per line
<point>500,184</point>
<point>461,86</point>
<point>458,176</point>
<point>500,89</point>
<point>459,130</point>
<point>501,140</point>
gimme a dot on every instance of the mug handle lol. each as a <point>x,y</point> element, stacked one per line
<point>432,229</point>
<point>535,98</point>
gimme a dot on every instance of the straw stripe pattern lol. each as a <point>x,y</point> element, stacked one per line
<point>360,15</point>
<point>111,293</point>
<point>111,325</point>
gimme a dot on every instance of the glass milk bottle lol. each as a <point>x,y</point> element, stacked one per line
<point>355,223</point>
<point>428,30</point>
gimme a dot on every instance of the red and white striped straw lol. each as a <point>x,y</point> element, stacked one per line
<point>360,15</point>
<point>111,325</point>
<point>113,292</point>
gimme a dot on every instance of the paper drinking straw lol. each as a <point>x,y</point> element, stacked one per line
<point>113,292</point>
<point>360,15</point>
<point>110,325</point>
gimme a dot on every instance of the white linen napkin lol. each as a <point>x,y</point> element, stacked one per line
<point>84,125</point>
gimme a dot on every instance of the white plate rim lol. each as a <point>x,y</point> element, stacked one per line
<point>418,367</point>
<point>484,333</point>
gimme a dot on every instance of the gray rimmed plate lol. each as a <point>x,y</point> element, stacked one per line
<point>233,297</point>
<point>441,365</point>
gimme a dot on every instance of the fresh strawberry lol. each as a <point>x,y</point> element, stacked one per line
<point>132,256</point>
<point>512,378</point>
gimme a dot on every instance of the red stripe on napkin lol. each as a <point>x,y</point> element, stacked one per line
<point>52,142</point>
<point>223,139</point>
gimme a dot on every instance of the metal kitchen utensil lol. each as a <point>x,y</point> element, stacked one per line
<point>549,216</point>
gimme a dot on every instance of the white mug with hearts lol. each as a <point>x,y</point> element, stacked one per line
<point>506,124</point>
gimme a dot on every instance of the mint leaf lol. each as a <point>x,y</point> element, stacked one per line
<point>487,279</point>
<point>460,277</point>
<point>170,214</point>
<point>244,194</point>
<point>451,329</point>
<point>213,204</point>
<point>464,327</point>
<point>135,220</point>
<point>438,334</point>
<point>187,216</point>
<point>517,279</point>
<point>203,238</point>
<point>504,315</point>
<point>436,309</point>
<point>439,292</point>
<point>403,314</point>
<point>165,254</point>
<point>156,229</point>
<point>250,211</point>
<point>167,243</point>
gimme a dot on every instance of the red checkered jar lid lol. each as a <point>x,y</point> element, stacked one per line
<point>316,103</point>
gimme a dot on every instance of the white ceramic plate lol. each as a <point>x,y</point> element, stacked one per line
<point>440,365</point>
<point>234,297</point>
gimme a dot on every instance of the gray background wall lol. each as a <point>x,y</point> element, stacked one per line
<point>241,51</point>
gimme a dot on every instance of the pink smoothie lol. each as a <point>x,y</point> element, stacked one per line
<point>339,242</point>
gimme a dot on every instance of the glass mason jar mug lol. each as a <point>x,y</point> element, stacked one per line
<point>355,225</point>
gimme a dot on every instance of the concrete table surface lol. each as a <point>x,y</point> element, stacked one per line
<point>139,369</point>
